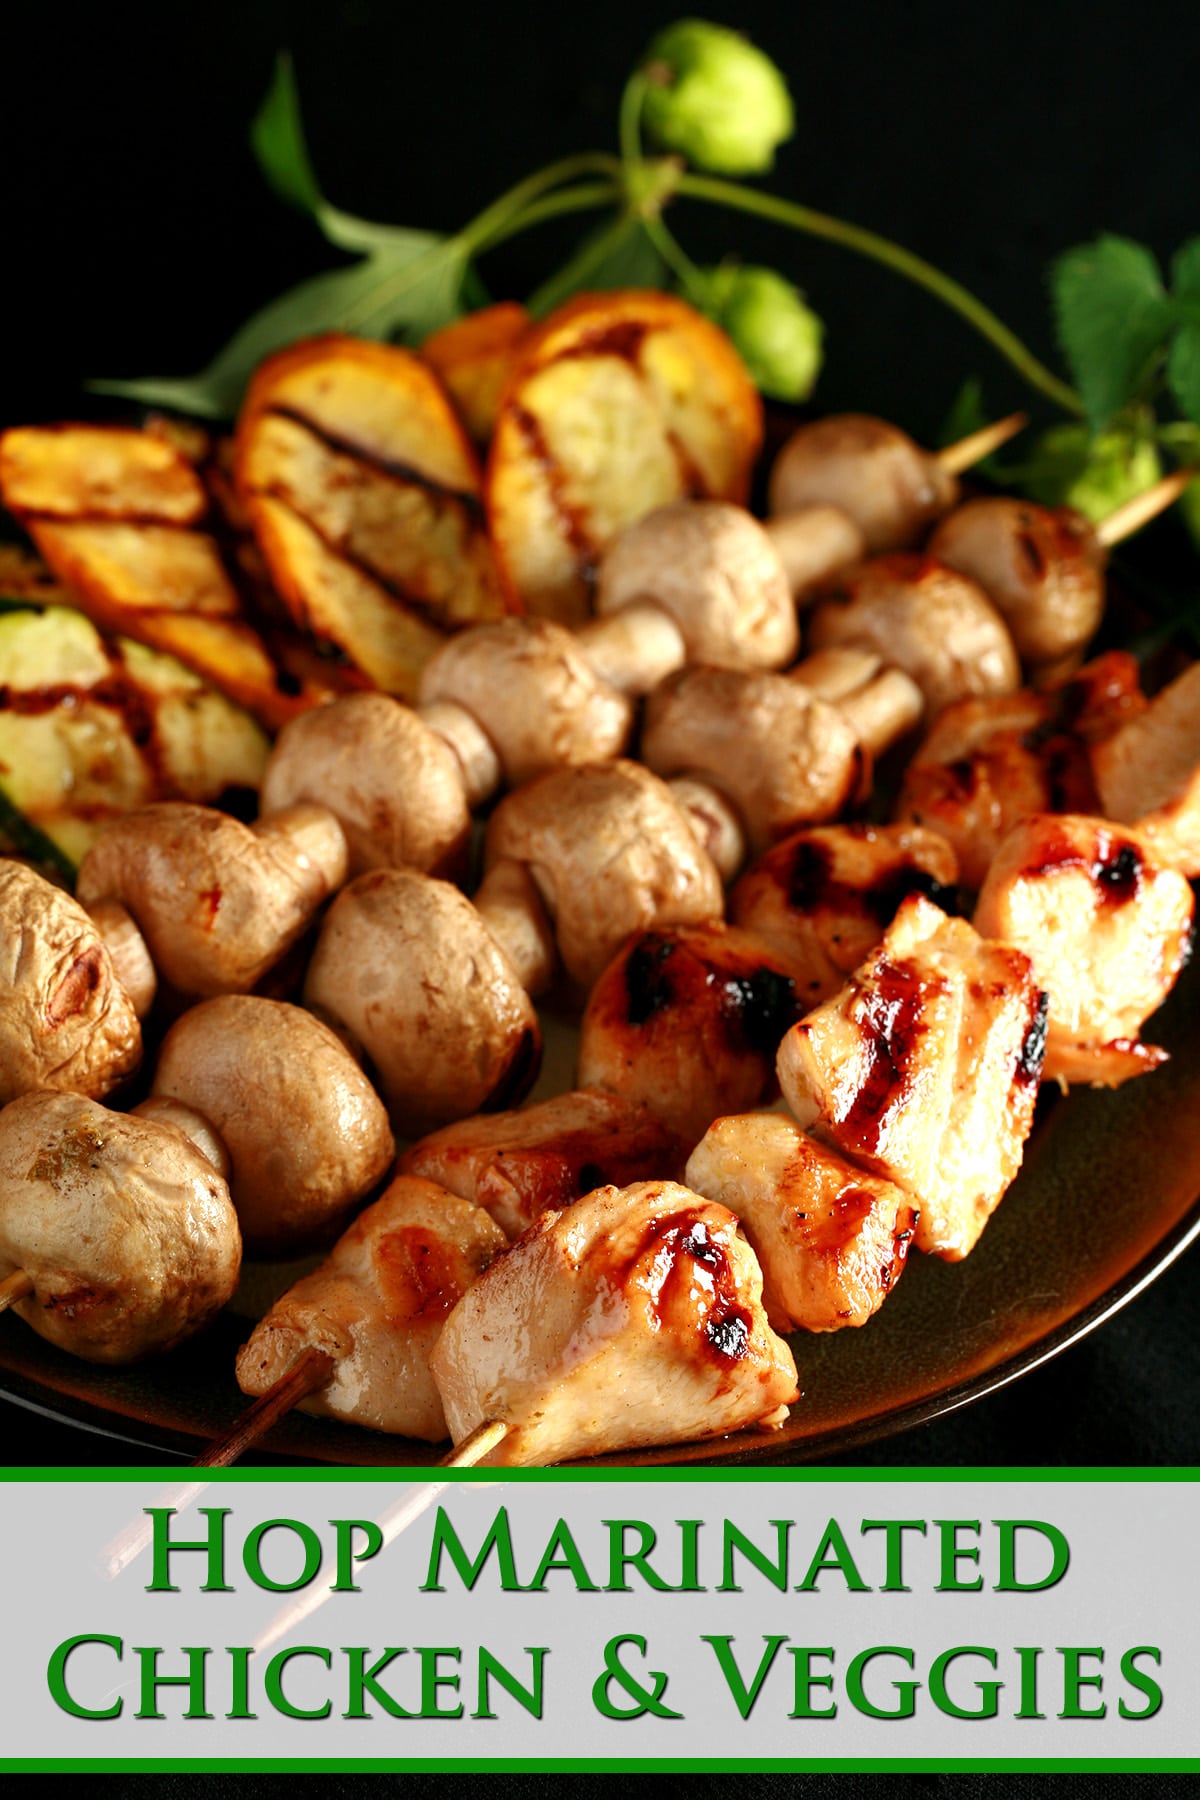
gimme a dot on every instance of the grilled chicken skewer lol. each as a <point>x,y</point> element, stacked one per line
<point>352,1340</point>
<point>687,1021</point>
<point>635,1317</point>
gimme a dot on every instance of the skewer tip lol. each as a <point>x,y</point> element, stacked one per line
<point>1133,514</point>
<point>478,1444</point>
<point>955,458</point>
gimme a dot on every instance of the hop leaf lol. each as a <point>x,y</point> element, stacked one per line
<point>776,334</point>
<point>716,99</point>
<point>1112,316</point>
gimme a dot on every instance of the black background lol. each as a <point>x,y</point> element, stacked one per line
<point>137,234</point>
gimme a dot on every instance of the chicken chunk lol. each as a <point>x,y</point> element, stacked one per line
<point>988,763</point>
<point>822,899</point>
<point>516,1164</point>
<point>832,1240</point>
<point>925,1067</point>
<point>688,1021</point>
<point>1148,773</point>
<point>635,1317</point>
<point>376,1306</point>
<point>1108,932</point>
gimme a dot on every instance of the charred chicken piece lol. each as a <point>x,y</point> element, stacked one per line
<point>822,899</point>
<point>1148,773</point>
<point>1107,930</point>
<point>517,1164</point>
<point>376,1307</point>
<point>687,1021</point>
<point>125,1228</point>
<point>924,1069</point>
<point>634,1317</point>
<point>832,1239</point>
<point>988,763</point>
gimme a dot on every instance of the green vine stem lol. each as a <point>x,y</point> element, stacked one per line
<point>959,299</point>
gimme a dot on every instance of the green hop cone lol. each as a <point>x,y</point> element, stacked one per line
<point>715,98</point>
<point>1095,475</point>
<point>777,336</point>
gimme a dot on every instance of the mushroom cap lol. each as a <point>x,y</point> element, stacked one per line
<point>306,1133</point>
<point>126,1229</point>
<point>217,902</point>
<point>529,686</point>
<point>1042,567</point>
<point>611,853</point>
<point>891,488</point>
<point>936,625</point>
<point>65,1020</point>
<point>714,569</point>
<point>408,966</point>
<point>393,784</point>
<point>784,756</point>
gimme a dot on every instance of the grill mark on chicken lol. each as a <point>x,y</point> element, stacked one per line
<point>892,1022</point>
<point>902,1237</point>
<point>683,1240</point>
<point>1117,872</point>
<point>1033,1046</point>
<point>418,1277</point>
<point>812,885</point>
<point>756,1005</point>
<point>407,474</point>
<point>648,985</point>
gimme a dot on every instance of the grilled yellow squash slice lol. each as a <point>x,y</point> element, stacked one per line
<point>621,402</point>
<point>363,493</point>
<point>92,726</point>
<point>119,516</point>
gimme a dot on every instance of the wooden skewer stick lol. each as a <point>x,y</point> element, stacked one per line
<point>977,444</point>
<point>14,1287</point>
<point>307,1375</point>
<point>1139,511</point>
<point>476,1446</point>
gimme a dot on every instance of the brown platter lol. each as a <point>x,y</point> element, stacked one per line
<point>1108,1197</point>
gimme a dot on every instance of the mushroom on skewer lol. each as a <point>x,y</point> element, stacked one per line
<point>217,902</point>
<point>305,1132</point>
<point>117,1235</point>
<point>1043,567</point>
<point>873,471</point>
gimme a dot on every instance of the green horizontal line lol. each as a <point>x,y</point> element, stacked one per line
<point>165,1474</point>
